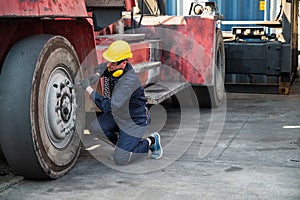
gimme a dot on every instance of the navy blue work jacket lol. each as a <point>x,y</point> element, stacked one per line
<point>128,101</point>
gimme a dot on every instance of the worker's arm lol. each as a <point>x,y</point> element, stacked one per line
<point>99,71</point>
<point>101,102</point>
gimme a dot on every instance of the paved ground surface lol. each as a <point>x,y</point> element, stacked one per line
<point>248,149</point>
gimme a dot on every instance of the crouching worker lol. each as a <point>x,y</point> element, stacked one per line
<point>124,120</point>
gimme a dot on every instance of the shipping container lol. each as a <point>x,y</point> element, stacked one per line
<point>241,10</point>
<point>248,10</point>
<point>171,7</point>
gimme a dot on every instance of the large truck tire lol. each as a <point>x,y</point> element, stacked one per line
<point>213,96</point>
<point>41,109</point>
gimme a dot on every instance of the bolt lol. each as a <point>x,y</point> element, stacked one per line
<point>67,131</point>
<point>62,85</point>
<point>62,129</point>
<point>57,108</point>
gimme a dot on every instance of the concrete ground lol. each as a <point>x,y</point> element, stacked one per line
<point>247,149</point>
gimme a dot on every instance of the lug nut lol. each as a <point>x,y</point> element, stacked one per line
<point>62,85</point>
<point>57,108</point>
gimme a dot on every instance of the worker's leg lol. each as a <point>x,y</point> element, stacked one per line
<point>129,147</point>
<point>105,124</point>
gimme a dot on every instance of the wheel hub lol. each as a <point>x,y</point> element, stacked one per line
<point>60,108</point>
<point>66,107</point>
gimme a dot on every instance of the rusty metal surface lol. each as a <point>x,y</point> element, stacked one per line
<point>105,3</point>
<point>188,45</point>
<point>38,8</point>
<point>78,32</point>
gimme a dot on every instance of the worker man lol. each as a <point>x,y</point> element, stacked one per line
<point>124,120</point>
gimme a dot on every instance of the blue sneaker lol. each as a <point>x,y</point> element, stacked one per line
<point>156,148</point>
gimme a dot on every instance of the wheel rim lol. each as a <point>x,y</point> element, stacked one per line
<point>60,108</point>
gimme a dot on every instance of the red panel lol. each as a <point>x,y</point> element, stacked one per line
<point>129,4</point>
<point>78,32</point>
<point>53,8</point>
<point>140,52</point>
<point>188,45</point>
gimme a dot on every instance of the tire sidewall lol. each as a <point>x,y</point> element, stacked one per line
<point>57,51</point>
<point>218,81</point>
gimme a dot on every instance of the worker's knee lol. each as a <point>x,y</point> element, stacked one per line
<point>122,157</point>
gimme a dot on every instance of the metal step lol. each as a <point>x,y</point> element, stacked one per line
<point>141,67</point>
<point>125,37</point>
<point>161,91</point>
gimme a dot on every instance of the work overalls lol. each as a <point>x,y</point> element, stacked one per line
<point>124,120</point>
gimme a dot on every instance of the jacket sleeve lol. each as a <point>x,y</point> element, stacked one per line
<point>101,102</point>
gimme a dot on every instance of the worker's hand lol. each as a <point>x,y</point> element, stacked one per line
<point>94,78</point>
<point>100,68</point>
<point>85,83</point>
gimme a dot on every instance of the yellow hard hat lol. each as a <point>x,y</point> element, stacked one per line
<point>117,51</point>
